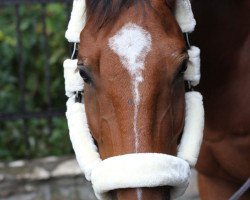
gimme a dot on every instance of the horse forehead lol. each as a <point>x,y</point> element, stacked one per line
<point>131,39</point>
<point>131,43</point>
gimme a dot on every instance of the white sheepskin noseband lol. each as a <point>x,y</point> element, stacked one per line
<point>147,169</point>
<point>143,170</point>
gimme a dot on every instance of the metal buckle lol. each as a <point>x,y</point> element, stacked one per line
<point>78,96</point>
<point>188,86</point>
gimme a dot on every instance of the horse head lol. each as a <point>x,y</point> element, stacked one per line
<point>132,57</point>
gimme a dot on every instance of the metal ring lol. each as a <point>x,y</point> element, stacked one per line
<point>75,50</point>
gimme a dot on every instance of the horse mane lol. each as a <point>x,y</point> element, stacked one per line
<point>106,11</point>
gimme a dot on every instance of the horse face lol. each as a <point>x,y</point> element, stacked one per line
<point>134,89</point>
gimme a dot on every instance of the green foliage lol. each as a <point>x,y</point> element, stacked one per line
<point>12,143</point>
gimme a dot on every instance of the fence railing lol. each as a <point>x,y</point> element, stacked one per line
<point>23,114</point>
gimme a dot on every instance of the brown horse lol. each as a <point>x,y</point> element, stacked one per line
<point>133,108</point>
<point>223,34</point>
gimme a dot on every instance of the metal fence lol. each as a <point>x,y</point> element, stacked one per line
<point>22,114</point>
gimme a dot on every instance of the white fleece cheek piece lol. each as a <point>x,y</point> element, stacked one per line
<point>189,147</point>
<point>85,149</point>
<point>184,16</point>
<point>143,170</point>
<point>193,73</point>
<point>73,80</point>
<point>77,21</point>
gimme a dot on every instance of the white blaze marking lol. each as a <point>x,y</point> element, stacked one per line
<point>139,193</point>
<point>132,44</point>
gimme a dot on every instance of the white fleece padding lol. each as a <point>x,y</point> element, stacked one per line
<point>140,170</point>
<point>85,149</point>
<point>189,147</point>
<point>73,81</point>
<point>77,21</point>
<point>184,16</point>
<point>193,72</point>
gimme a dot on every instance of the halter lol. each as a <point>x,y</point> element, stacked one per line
<point>142,169</point>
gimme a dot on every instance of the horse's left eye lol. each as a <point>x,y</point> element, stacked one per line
<point>86,77</point>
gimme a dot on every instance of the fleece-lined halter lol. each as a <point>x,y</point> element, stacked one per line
<point>142,169</point>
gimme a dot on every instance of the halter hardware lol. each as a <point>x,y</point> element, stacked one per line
<point>78,96</point>
<point>188,84</point>
<point>74,49</point>
<point>187,40</point>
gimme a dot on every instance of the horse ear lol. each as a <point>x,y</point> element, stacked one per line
<point>171,4</point>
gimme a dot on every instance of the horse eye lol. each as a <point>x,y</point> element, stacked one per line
<point>181,70</point>
<point>183,67</point>
<point>85,76</point>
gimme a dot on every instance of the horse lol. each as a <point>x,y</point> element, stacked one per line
<point>132,57</point>
<point>223,34</point>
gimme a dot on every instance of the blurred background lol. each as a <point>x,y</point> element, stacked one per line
<point>36,157</point>
<point>32,104</point>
